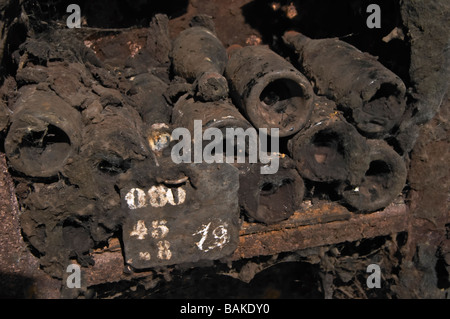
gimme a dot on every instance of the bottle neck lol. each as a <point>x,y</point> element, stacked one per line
<point>295,39</point>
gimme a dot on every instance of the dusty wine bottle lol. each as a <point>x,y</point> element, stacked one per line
<point>330,149</point>
<point>372,94</point>
<point>382,182</point>
<point>113,143</point>
<point>269,90</point>
<point>270,199</point>
<point>109,149</point>
<point>45,131</point>
<point>51,210</point>
<point>220,114</point>
<point>152,105</point>
<point>200,57</point>
<point>149,99</point>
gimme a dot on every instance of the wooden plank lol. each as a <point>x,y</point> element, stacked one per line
<point>271,241</point>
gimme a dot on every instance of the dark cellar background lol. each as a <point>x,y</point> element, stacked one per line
<point>416,263</point>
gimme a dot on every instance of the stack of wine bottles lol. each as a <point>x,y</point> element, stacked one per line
<point>80,132</point>
<point>336,110</point>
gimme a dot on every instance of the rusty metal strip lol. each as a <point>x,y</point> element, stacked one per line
<point>319,213</point>
<point>394,219</point>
